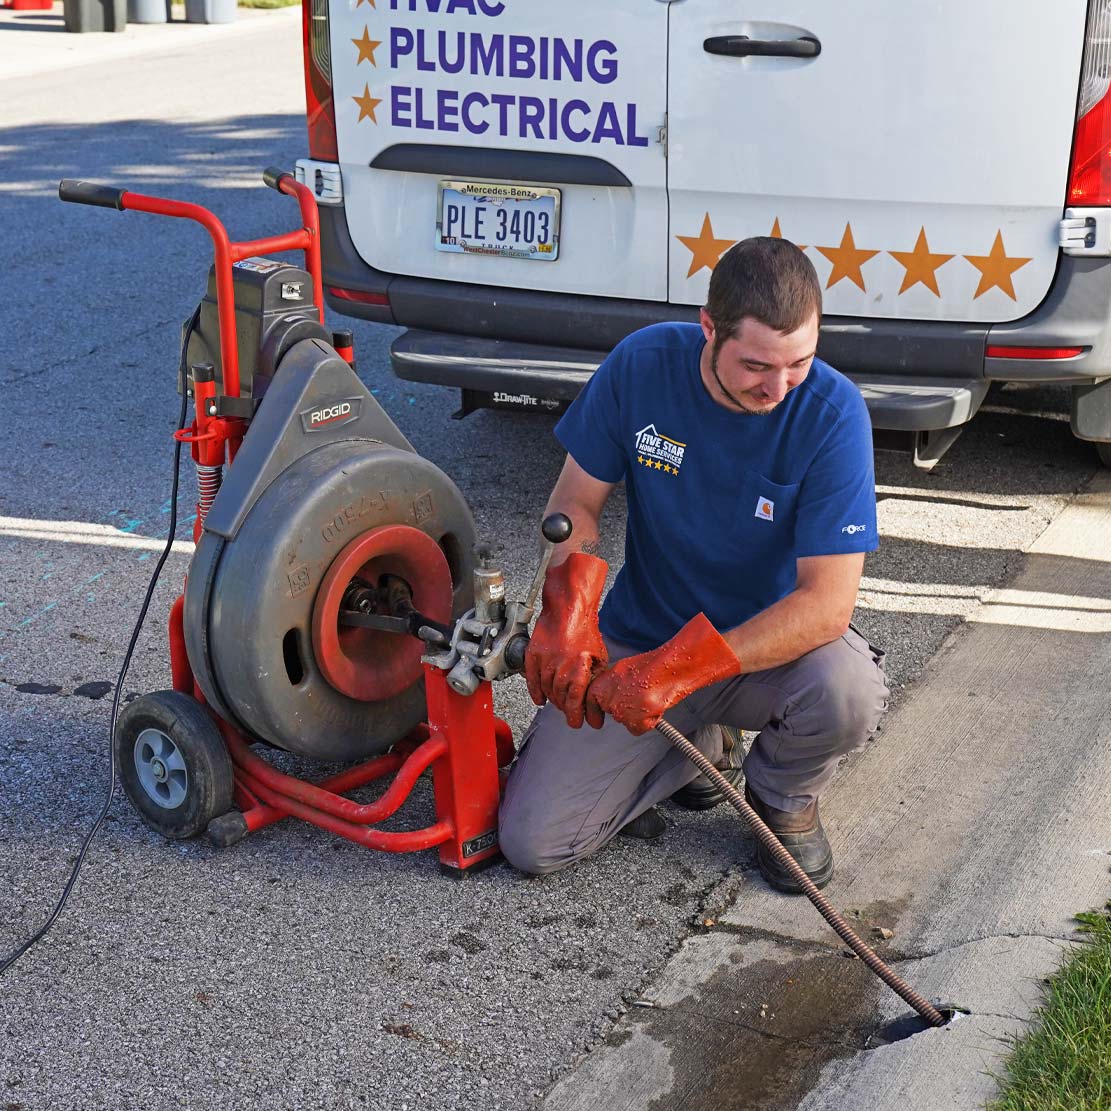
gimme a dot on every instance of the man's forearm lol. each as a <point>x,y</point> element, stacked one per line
<point>584,530</point>
<point>785,631</point>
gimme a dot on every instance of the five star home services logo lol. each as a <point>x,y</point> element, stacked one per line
<point>659,452</point>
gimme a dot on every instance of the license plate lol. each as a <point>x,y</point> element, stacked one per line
<point>497,218</point>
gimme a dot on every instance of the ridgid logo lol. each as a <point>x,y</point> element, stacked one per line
<point>331,414</point>
<point>658,452</point>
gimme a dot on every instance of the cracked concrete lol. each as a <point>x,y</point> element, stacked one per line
<point>973,829</point>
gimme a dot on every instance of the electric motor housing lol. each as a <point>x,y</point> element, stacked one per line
<point>323,482</point>
<point>273,310</point>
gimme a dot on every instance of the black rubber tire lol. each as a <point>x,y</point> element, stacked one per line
<point>208,767</point>
<point>1104,453</point>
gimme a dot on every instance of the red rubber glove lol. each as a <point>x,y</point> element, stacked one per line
<point>566,650</point>
<point>636,691</point>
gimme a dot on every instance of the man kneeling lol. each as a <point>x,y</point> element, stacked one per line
<point>748,471</point>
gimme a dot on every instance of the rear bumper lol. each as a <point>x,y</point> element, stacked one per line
<point>556,339</point>
<point>500,366</point>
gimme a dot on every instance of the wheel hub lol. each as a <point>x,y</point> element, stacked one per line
<point>161,769</point>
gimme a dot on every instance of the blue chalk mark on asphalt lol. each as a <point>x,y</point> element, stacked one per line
<point>98,575</point>
<point>27,620</point>
<point>130,524</point>
<point>144,556</point>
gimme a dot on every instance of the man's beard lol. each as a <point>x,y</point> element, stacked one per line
<point>721,386</point>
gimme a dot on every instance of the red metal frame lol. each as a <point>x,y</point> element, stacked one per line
<point>463,743</point>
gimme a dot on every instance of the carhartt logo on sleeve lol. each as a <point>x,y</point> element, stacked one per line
<point>765,509</point>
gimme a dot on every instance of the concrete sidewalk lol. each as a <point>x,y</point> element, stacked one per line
<point>973,831</point>
<point>36,42</point>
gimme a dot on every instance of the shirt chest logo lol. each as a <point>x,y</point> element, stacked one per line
<point>765,509</point>
<point>658,452</point>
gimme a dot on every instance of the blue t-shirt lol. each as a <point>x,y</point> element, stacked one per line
<point>720,504</point>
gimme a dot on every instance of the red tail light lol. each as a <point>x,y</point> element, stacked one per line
<point>996,352</point>
<point>359,296</point>
<point>319,104</point>
<point>1090,179</point>
<point>1090,175</point>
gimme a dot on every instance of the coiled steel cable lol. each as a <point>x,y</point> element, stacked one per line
<point>769,840</point>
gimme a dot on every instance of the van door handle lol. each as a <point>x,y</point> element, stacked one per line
<point>741,46</point>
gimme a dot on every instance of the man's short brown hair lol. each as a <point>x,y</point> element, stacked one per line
<point>770,280</point>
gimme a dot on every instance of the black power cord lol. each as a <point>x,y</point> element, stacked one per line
<point>18,952</point>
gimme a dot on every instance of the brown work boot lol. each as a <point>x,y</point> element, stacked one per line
<point>700,793</point>
<point>802,835</point>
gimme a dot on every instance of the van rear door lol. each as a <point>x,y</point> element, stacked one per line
<point>506,143</point>
<point>918,152</point>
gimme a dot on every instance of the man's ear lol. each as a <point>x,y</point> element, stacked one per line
<point>707,325</point>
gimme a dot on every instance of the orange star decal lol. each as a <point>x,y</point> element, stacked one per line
<point>847,259</point>
<point>367,105</point>
<point>367,47</point>
<point>777,233</point>
<point>359,4</point>
<point>704,248</point>
<point>920,265</point>
<point>996,269</point>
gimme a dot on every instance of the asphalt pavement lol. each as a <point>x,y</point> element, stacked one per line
<point>295,970</point>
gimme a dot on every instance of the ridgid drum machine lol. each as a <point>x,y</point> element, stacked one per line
<point>336,605</point>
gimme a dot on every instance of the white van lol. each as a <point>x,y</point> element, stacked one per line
<point>521,183</point>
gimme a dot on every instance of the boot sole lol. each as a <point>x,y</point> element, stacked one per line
<point>787,885</point>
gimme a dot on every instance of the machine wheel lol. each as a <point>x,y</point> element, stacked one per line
<point>173,763</point>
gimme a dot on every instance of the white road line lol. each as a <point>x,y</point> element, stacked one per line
<point>85,532</point>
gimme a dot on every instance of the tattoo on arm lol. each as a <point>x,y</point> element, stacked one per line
<point>591,547</point>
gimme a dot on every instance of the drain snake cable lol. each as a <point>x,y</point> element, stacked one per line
<point>825,908</point>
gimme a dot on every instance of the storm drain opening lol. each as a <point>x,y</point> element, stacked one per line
<point>906,1026</point>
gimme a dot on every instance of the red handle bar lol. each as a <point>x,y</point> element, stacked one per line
<point>306,239</point>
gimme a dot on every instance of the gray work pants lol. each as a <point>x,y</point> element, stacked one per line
<point>571,790</point>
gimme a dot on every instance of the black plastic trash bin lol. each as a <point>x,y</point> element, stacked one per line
<point>95,15</point>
